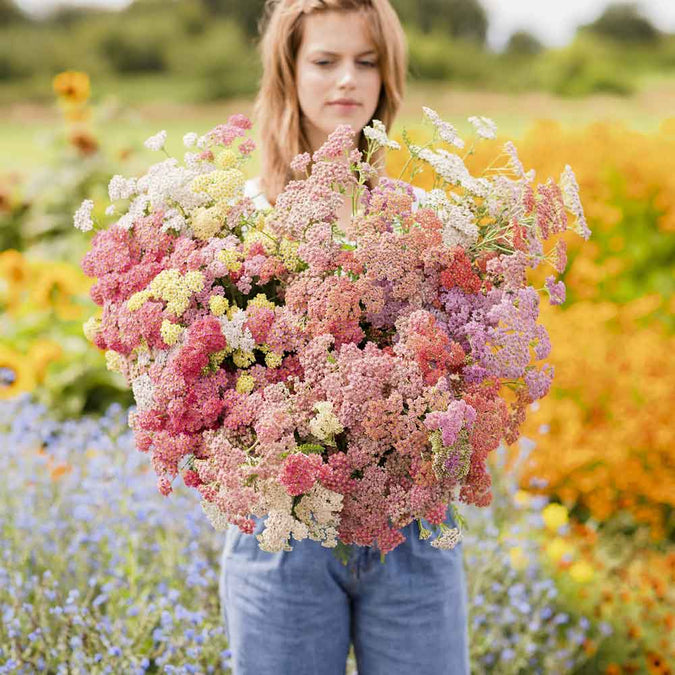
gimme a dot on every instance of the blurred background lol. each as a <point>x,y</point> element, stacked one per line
<point>574,565</point>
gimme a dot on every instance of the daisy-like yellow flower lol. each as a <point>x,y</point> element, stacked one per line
<point>56,287</point>
<point>557,549</point>
<point>555,516</point>
<point>16,373</point>
<point>582,572</point>
<point>72,86</point>
<point>41,353</point>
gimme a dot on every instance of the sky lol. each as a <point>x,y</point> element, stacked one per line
<point>552,21</point>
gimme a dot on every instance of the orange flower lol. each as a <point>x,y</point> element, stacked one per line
<point>72,86</point>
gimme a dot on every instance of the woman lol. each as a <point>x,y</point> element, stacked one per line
<point>331,62</point>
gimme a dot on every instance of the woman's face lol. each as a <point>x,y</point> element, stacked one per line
<point>337,73</point>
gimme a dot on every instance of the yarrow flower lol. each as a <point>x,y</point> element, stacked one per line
<point>156,142</point>
<point>340,377</point>
<point>82,219</point>
<point>484,126</point>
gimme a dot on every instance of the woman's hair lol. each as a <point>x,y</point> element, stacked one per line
<point>277,109</point>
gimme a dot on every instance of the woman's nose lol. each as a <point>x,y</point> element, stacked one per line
<point>347,75</point>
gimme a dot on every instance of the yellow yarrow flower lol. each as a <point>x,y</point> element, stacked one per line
<point>582,572</point>
<point>231,258</point>
<point>170,332</point>
<point>226,159</point>
<point>194,280</point>
<point>261,300</point>
<point>258,237</point>
<point>245,384</point>
<point>113,361</point>
<point>91,327</point>
<point>206,223</point>
<point>243,359</point>
<point>216,358</point>
<point>273,360</point>
<point>288,251</point>
<point>218,305</point>
<point>555,516</point>
<point>221,185</point>
<point>137,300</point>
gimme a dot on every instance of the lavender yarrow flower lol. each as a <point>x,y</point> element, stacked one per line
<point>556,290</point>
<point>82,219</point>
<point>570,190</point>
<point>157,141</point>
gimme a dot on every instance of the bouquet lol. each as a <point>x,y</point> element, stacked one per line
<point>341,381</point>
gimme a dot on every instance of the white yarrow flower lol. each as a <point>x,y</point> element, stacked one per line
<point>378,134</point>
<point>82,219</point>
<point>448,539</point>
<point>144,391</point>
<point>157,141</point>
<point>110,210</point>
<point>190,139</point>
<point>325,425</point>
<point>459,226</point>
<point>484,126</point>
<point>121,187</point>
<point>446,131</point>
<point>215,516</point>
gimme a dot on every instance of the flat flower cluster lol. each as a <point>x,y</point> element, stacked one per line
<point>340,380</point>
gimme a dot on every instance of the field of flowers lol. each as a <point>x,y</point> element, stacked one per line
<point>572,568</point>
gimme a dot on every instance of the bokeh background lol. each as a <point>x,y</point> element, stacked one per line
<point>572,569</point>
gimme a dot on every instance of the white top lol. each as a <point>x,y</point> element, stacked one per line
<point>252,189</point>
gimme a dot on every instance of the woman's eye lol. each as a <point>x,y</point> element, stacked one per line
<point>322,63</point>
<point>368,64</point>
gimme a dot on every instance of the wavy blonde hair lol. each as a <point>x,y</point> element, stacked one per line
<point>277,109</point>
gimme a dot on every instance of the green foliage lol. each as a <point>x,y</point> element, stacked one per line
<point>523,43</point>
<point>624,22</point>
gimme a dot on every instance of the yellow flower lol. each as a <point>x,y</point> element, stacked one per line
<point>273,360</point>
<point>226,159</point>
<point>56,287</point>
<point>206,223</point>
<point>170,332</point>
<point>218,305</point>
<point>582,572</point>
<point>91,327</point>
<point>261,300</point>
<point>41,353</point>
<point>194,280</point>
<point>225,184</point>
<point>113,361</point>
<point>72,86</point>
<point>245,384</point>
<point>518,558</point>
<point>288,251</point>
<point>258,237</point>
<point>557,549</point>
<point>522,498</point>
<point>16,373</point>
<point>555,516</point>
<point>231,258</point>
<point>137,300</point>
<point>243,359</point>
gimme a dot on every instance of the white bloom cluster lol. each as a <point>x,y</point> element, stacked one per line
<point>451,168</point>
<point>448,539</point>
<point>136,211</point>
<point>236,335</point>
<point>190,139</point>
<point>319,509</point>
<point>144,391</point>
<point>325,425</point>
<point>82,219</point>
<point>446,131</point>
<point>459,226</point>
<point>378,134</point>
<point>157,141</point>
<point>514,160</point>
<point>167,181</point>
<point>484,126</point>
<point>570,190</point>
<point>214,515</point>
<point>121,187</point>
<point>174,220</point>
<point>279,527</point>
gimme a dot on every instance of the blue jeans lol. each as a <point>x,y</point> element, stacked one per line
<point>296,612</point>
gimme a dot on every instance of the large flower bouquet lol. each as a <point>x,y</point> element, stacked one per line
<point>341,381</point>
